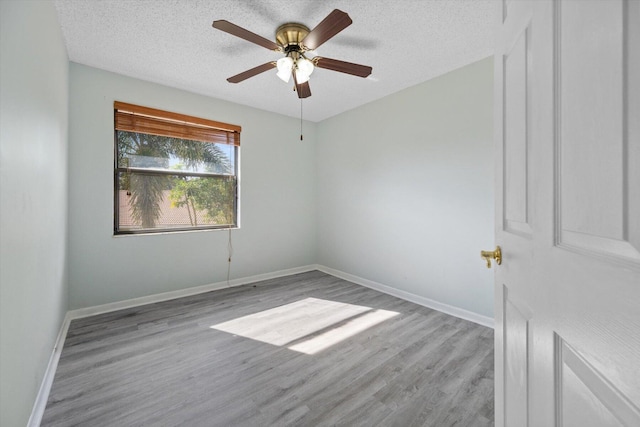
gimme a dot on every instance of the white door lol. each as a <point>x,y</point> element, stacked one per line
<point>568,213</point>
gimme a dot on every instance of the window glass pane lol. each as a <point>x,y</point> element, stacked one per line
<point>148,201</point>
<point>139,150</point>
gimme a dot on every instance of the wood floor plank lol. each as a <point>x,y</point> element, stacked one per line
<point>386,362</point>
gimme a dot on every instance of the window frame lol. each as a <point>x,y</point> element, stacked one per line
<point>179,126</point>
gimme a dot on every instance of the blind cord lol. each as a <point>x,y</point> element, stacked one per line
<point>230,243</point>
<point>230,250</point>
<point>301,138</point>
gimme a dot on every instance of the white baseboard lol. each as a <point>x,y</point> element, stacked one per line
<point>45,387</point>
<point>166,296</point>
<point>417,299</point>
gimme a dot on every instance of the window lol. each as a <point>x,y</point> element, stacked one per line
<point>173,172</point>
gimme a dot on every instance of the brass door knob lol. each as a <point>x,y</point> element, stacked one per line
<point>488,255</point>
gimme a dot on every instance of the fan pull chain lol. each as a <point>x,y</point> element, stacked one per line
<point>301,137</point>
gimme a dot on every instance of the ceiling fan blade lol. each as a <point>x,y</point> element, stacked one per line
<point>335,22</point>
<point>252,72</point>
<point>303,89</point>
<point>342,66</point>
<point>237,31</point>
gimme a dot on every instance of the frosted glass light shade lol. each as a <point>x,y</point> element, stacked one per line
<point>285,65</point>
<point>305,66</point>
<point>301,77</point>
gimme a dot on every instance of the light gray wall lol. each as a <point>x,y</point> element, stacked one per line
<point>278,211</point>
<point>33,199</point>
<point>405,189</point>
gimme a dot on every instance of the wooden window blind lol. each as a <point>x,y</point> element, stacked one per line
<point>134,118</point>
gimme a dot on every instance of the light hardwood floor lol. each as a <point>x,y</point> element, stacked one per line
<point>304,350</point>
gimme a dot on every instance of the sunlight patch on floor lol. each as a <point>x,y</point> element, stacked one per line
<point>307,326</point>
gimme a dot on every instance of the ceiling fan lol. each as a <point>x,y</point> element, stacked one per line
<point>294,41</point>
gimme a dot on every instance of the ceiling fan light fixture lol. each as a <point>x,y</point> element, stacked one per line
<point>284,76</point>
<point>284,65</point>
<point>304,65</point>
<point>303,70</point>
<point>301,77</point>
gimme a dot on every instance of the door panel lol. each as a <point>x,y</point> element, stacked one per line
<point>592,72</point>
<point>580,407</point>
<point>585,397</point>
<point>516,356</point>
<point>516,144</point>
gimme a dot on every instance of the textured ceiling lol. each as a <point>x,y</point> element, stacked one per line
<point>171,42</point>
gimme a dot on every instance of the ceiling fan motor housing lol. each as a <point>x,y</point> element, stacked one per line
<point>290,36</point>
